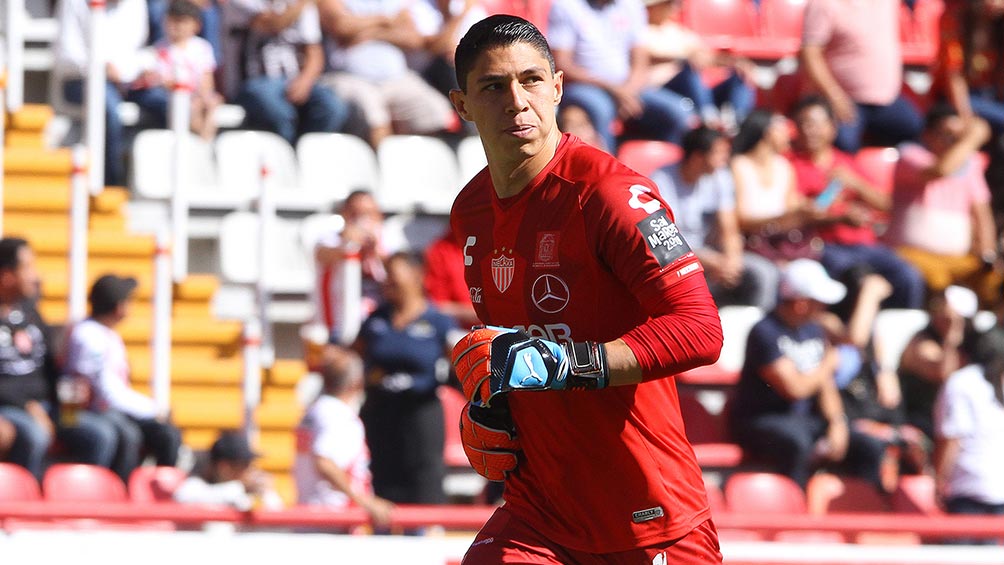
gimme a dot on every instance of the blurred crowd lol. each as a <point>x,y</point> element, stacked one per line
<point>776,202</point>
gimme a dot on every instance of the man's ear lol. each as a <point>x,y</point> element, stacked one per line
<point>559,86</point>
<point>459,100</point>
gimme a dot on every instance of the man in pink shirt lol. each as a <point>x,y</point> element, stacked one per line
<point>941,219</point>
<point>851,54</point>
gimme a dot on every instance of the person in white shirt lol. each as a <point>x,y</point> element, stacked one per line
<point>128,26</point>
<point>230,478</point>
<point>332,459</point>
<point>969,425</point>
<point>96,354</point>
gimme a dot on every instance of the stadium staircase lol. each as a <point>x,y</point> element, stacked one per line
<point>206,362</point>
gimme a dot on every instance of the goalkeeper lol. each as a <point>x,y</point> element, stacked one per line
<point>594,302</point>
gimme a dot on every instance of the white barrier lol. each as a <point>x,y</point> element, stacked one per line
<point>79,213</point>
<point>180,118</point>
<point>266,226</point>
<point>95,96</point>
<point>163,297</point>
<point>251,383</point>
<point>14,19</point>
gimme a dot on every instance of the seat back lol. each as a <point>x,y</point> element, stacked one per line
<point>782,19</point>
<point>417,173</point>
<point>149,484</point>
<point>764,493</point>
<point>17,484</point>
<point>915,494</point>
<point>827,492</point>
<point>289,266</point>
<point>240,156</point>
<point>153,168</point>
<point>75,482</point>
<point>334,164</point>
<point>718,21</point>
<point>737,321</point>
<point>648,155</point>
<point>471,157</point>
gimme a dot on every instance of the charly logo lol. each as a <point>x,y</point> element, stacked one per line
<point>647,514</point>
<point>550,294</point>
<point>503,269</point>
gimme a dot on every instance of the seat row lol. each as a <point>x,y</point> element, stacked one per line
<point>71,482</point>
<point>407,173</point>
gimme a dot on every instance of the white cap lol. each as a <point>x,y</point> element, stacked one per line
<point>805,278</point>
<point>962,300</point>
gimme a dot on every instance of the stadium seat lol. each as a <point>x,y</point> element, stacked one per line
<point>152,168</point>
<point>827,492</point>
<point>289,266</point>
<point>764,493</point>
<point>724,24</point>
<point>878,164</point>
<point>413,231</point>
<point>716,498</point>
<point>915,494</point>
<point>17,484</point>
<point>149,484</point>
<point>242,156</point>
<point>453,405</point>
<point>74,482</point>
<point>417,173</point>
<point>782,26</point>
<point>737,321</point>
<point>919,31</point>
<point>316,226</point>
<point>471,156</point>
<point>809,536</point>
<point>894,327</point>
<point>334,164</point>
<point>707,431</point>
<point>648,155</point>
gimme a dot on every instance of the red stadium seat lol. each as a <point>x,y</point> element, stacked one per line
<point>878,165</point>
<point>646,155</point>
<point>782,25</point>
<point>764,493</point>
<point>919,31</point>
<point>827,492</point>
<point>72,482</point>
<point>716,498</point>
<point>453,404</point>
<point>915,494</point>
<point>724,24</point>
<point>154,484</point>
<point>17,484</point>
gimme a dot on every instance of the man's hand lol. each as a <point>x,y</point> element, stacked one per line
<point>489,439</point>
<point>298,90</point>
<point>492,360</point>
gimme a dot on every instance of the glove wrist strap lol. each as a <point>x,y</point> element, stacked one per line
<point>587,365</point>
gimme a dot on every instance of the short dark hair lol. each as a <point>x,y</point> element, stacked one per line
<point>938,113</point>
<point>813,101</point>
<point>752,130</point>
<point>499,30</point>
<point>184,9</point>
<point>699,140</point>
<point>10,251</point>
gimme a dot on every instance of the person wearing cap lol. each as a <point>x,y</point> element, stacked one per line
<point>787,410</point>
<point>229,477</point>
<point>95,354</point>
<point>935,352</point>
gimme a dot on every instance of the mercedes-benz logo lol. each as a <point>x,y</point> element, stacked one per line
<point>549,294</point>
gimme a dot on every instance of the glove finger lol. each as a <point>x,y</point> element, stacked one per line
<point>472,363</point>
<point>492,465</point>
<point>482,436</point>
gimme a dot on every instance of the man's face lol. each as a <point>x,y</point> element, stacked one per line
<point>816,130</point>
<point>944,134</point>
<point>511,97</point>
<point>22,281</point>
<point>718,156</point>
<point>362,209</point>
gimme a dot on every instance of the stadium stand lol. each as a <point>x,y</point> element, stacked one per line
<point>409,162</point>
<point>72,482</point>
<point>648,155</point>
<point>17,484</point>
<point>152,484</point>
<point>764,493</point>
<point>334,164</point>
<point>471,157</point>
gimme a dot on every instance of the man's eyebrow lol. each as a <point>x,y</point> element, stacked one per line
<point>497,77</point>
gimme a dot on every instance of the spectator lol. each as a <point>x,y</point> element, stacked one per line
<point>533,11</point>
<point>363,236</point>
<point>332,460</point>
<point>970,424</point>
<point>27,370</point>
<point>598,46</point>
<point>444,280</point>
<point>367,56</point>
<point>402,345</point>
<point>934,353</point>
<point>229,478</point>
<point>830,178</point>
<point>851,54</point>
<point>574,120</point>
<point>8,435</point>
<point>442,23</point>
<point>123,48</point>
<point>966,70</point>
<point>680,56</point>
<point>941,220</point>
<point>787,408</point>
<point>131,421</point>
<point>701,194</point>
<point>185,59</point>
<point>777,222</point>
<point>209,20</point>
<point>274,58</point>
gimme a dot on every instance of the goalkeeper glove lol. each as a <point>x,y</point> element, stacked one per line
<point>492,360</point>
<point>489,439</point>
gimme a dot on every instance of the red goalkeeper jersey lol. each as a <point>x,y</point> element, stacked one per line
<point>587,251</point>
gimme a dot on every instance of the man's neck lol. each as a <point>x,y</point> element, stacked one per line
<point>691,171</point>
<point>511,176</point>
<point>107,320</point>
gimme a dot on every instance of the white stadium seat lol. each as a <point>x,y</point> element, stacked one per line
<point>152,167</point>
<point>334,164</point>
<point>417,173</point>
<point>737,321</point>
<point>471,156</point>
<point>894,327</point>
<point>289,268</point>
<point>240,156</point>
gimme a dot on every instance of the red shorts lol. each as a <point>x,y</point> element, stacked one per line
<point>507,539</point>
